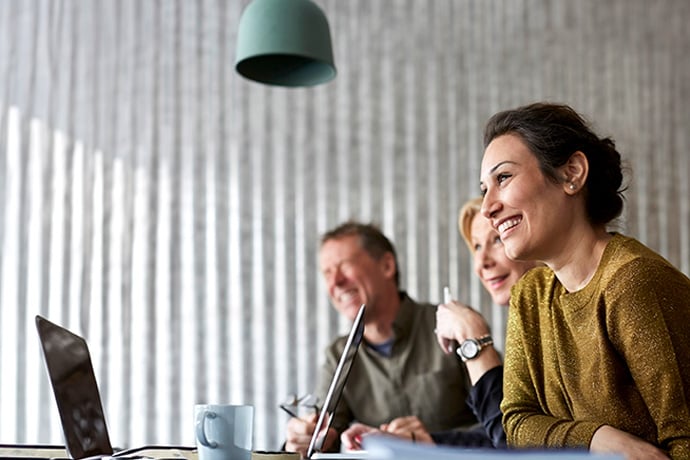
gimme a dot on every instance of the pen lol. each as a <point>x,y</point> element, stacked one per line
<point>447,298</point>
<point>288,411</point>
<point>293,414</point>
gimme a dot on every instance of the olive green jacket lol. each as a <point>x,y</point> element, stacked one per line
<point>417,379</point>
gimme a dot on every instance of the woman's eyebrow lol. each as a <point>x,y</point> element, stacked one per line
<point>492,170</point>
<point>496,166</point>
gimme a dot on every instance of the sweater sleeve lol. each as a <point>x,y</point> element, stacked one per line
<point>611,354</point>
<point>647,323</point>
<point>524,419</point>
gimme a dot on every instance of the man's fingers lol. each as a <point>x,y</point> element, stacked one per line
<point>301,426</point>
<point>403,423</point>
<point>352,437</point>
<point>299,432</point>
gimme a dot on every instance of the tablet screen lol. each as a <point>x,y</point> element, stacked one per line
<point>335,389</point>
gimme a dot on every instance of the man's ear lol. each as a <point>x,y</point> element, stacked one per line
<point>387,263</point>
<point>575,172</point>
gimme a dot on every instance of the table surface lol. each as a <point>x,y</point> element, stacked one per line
<point>59,452</point>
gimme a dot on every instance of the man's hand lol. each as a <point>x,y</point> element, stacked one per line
<point>299,433</point>
<point>351,438</point>
<point>608,439</point>
<point>409,427</point>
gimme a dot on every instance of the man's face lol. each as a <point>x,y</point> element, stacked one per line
<point>352,276</point>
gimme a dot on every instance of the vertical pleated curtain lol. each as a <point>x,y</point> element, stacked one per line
<point>169,211</point>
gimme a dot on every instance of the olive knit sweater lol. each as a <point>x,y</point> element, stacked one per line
<point>616,352</point>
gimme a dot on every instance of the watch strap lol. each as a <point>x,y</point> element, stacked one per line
<point>485,341</point>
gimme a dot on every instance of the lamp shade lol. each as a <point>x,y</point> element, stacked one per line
<point>285,43</point>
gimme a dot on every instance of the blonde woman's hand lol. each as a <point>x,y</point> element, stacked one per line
<point>456,321</point>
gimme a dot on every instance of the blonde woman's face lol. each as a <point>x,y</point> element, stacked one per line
<point>496,271</point>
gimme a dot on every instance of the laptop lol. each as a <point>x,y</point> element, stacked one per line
<point>72,377</point>
<point>335,390</point>
<point>68,362</point>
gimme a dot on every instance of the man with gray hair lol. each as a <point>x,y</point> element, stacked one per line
<point>401,380</point>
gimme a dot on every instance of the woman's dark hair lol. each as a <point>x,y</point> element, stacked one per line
<point>372,240</point>
<point>553,132</point>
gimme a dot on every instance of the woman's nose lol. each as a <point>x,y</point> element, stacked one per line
<point>483,260</point>
<point>489,204</point>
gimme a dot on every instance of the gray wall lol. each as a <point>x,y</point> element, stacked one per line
<point>169,210</point>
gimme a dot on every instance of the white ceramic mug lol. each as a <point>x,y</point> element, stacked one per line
<point>223,431</point>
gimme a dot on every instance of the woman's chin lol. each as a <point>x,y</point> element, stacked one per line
<point>501,299</point>
<point>514,251</point>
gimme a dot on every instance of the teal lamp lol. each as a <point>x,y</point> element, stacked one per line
<point>285,43</point>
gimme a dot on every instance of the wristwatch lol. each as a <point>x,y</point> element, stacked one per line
<point>470,348</point>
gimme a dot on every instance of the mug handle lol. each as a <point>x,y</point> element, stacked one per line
<point>201,431</point>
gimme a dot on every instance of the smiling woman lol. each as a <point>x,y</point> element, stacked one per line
<point>594,338</point>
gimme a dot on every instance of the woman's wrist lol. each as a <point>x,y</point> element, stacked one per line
<point>487,360</point>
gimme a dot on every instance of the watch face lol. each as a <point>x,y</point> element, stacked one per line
<point>469,349</point>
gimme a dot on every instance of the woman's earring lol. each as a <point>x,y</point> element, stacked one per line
<point>572,186</point>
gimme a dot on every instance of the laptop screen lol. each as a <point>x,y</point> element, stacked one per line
<point>337,385</point>
<point>74,384</point>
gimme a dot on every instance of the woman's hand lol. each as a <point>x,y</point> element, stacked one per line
<point>608,439</point>
<point>458,322</point>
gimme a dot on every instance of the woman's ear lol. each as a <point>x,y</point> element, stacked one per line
<point>575,172</point>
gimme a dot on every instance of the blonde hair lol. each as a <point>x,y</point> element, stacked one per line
<point>467,214</point>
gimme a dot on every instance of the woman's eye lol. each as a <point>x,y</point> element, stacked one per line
<point>477,247</point>
<point>502,177</point>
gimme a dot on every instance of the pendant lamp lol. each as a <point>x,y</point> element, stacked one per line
<point>285,43</point>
